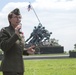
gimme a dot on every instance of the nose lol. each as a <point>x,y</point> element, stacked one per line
<point>18,19</point>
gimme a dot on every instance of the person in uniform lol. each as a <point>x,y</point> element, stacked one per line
<point>12,44</point>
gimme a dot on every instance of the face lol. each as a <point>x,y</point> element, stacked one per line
<point>15,20</point>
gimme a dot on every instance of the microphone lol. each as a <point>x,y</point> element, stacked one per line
<point>20,30</point>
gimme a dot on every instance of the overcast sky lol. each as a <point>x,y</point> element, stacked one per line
<point>57,16</point>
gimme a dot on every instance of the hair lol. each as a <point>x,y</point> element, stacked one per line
<point>9,17</point>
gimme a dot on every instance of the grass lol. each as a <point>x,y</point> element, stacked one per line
<point>50,67</point>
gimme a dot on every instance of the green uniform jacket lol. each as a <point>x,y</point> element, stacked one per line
<point>13,60</point>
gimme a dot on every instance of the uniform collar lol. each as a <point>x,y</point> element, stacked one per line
<point>11,27</point>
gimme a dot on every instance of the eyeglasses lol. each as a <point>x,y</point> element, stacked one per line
<point>17,17</point>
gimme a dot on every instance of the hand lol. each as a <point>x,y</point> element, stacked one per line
<point>30,50</point>
<point>17,29</point>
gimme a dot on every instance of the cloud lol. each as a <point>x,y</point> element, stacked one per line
<point>55,4</point>
<point>56,16</point>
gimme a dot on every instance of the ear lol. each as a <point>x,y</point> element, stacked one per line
<point>9,19</point>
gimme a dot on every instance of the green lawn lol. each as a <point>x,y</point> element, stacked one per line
<point>50,67</point>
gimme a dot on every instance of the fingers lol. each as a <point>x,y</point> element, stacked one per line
<point>32,51</point>
<point>33,46</point>
<point>18,28</point>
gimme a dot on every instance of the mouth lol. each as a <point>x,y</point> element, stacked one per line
<point>18,22</point>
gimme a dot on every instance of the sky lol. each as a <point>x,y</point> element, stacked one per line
<point>57,16</point>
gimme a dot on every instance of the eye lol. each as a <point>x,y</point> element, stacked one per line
<point>17,17</point>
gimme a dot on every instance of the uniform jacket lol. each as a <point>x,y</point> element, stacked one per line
<point>12,60</point>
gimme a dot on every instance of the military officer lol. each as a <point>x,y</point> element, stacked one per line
<point>12,45</point>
